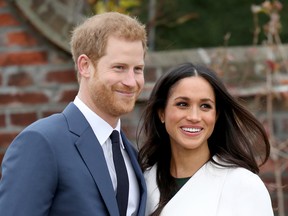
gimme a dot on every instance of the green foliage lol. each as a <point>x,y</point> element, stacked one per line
<point>184,24</point>
<point>210,21</point>
<point>122,6</point>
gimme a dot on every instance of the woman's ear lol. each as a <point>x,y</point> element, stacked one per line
<point>161,116</point>
<point>84,64</point>
<point>217,115</point>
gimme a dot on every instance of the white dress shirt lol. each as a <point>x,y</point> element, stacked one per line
<point>102,131</point>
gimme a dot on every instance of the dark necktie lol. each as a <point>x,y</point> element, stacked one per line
<point>121,172</point>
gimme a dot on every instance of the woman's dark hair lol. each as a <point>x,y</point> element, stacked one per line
<point>238,139</point>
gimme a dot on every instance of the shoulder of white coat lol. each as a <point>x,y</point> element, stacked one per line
<point>240,175</point>
<point>243,180</point>
<point>250,193</point>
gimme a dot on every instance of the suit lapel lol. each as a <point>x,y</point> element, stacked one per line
<point>139,175</point>
<point>92,155</point>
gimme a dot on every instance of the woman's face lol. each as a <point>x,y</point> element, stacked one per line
<point>190,114</point>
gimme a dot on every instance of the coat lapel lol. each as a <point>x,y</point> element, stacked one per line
<point>200,195</point>
<point>92,155</point>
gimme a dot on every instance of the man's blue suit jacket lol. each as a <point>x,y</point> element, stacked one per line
<point>56,167</point>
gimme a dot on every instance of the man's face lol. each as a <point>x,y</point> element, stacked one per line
<point>116,82</point>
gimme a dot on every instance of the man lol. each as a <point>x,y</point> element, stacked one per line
<point>63,165</point>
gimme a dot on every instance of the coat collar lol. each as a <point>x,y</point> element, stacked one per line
<point>198,196</point>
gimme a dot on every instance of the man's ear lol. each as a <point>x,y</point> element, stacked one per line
<point>84,65</point>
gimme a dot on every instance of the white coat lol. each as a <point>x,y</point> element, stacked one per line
<point>214,191</point>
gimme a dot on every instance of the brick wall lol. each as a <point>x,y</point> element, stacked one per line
<point>36,78</point>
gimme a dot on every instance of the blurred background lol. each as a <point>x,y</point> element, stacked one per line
<point>245,42</point>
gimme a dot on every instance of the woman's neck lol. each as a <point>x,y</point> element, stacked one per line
<point>187,163</point>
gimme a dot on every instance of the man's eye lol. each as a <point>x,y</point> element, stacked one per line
<point>119,67</point>
<point>138,70</point>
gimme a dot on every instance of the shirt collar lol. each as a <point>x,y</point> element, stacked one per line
<point>100,127</point>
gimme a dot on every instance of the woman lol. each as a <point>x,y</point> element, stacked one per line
<point>202,149</point>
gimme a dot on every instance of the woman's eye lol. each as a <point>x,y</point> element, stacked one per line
<point>181,104</point>
<point>206,106</point>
